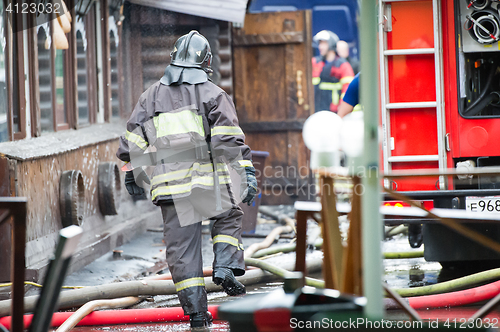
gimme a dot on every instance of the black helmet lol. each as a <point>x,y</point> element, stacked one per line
<point>192,51</point>
<point>328,36</point>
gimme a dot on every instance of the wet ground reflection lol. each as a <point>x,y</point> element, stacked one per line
<point>217,326</point>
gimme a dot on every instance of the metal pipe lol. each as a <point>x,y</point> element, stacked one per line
<point>415,104</point>
<point>450,171</point>
<point>371,222</point>
<point>430,194</point>
<point>408,159</point>
<point>410,51</point>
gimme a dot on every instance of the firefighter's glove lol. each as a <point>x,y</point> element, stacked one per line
<point>131,185</point>
<point>248,189</point>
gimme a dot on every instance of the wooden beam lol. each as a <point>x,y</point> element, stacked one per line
<point>268,38</point>
<point>272,126</point>
<point>332,241</point>
<point>301,246</point>
<point>352,277</point>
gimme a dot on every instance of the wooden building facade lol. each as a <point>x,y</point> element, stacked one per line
<point>62,111</point>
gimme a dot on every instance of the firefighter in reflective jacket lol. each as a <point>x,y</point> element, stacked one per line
<point>193,127</point>
<point>331,73</point>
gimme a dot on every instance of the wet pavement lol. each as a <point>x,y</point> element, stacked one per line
<point>144,255</point>
<point>217,326</point>
<point>404,273</point>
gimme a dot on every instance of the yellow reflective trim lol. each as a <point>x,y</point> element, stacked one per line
<point>335,97</point>
<point>316,80</point>
<point>226,130</point>
<point>137,140</point>
<point>227,239</point>
<point>178,123</point>
<point>357,108</point>
<point>330,86</point>
<point>186,173</point>
<point>186,187</point>
<point>245,163</point>
<point>192,282</point>
<point>346,79</point>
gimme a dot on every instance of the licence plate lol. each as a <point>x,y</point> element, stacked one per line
<point>483,204</point>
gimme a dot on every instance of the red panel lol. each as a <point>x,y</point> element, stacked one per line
<point>412,78</point>
<point>420,183</point>
<point>412,25</point>
<point>450,80</point>
<point>469,137</point>
<point>414,132</point>
<point>479,138</point>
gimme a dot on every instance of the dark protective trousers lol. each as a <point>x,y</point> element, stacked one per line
<point>183,244</point>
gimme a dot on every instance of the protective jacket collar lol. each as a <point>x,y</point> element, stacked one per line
<point>178,75</point>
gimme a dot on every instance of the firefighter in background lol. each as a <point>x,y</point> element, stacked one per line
<point>343,52</point>
<point>192,122</point>
<point>331,73</point>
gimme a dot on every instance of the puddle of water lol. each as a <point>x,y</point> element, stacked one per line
<point>411,272</point>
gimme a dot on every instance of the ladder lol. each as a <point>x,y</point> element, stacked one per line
<point>387,107</point>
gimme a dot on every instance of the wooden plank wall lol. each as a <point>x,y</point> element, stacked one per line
<point>5,228</point>
<point>269,52</point>
<point>153,33</point>
<point>39,180</point>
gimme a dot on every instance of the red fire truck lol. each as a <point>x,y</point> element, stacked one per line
<point>440,108</point>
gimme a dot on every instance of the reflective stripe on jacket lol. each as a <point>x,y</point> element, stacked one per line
<point>183,117</point>
<point>330,82</point>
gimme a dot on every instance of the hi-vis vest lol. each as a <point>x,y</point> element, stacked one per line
<point>181,118</point>
<point>330,82</point>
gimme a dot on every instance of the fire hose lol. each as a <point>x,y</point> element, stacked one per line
<point>453,299</point>
<point>91,306</point>
<point>457,298</point>
<point>123,316</point>
<point>77,297</point>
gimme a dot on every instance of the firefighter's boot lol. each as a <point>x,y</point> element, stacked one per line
<point>200,320</point>
<point>225,277</point>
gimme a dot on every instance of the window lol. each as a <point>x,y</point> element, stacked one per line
<point>82,74</point>
<point>66,88</point>
<point>52,79</point>
<point>113,54</point>
<point>15,77</point>
<point>60,100</point>
<point>44,78</point>
<point>4,131</point>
